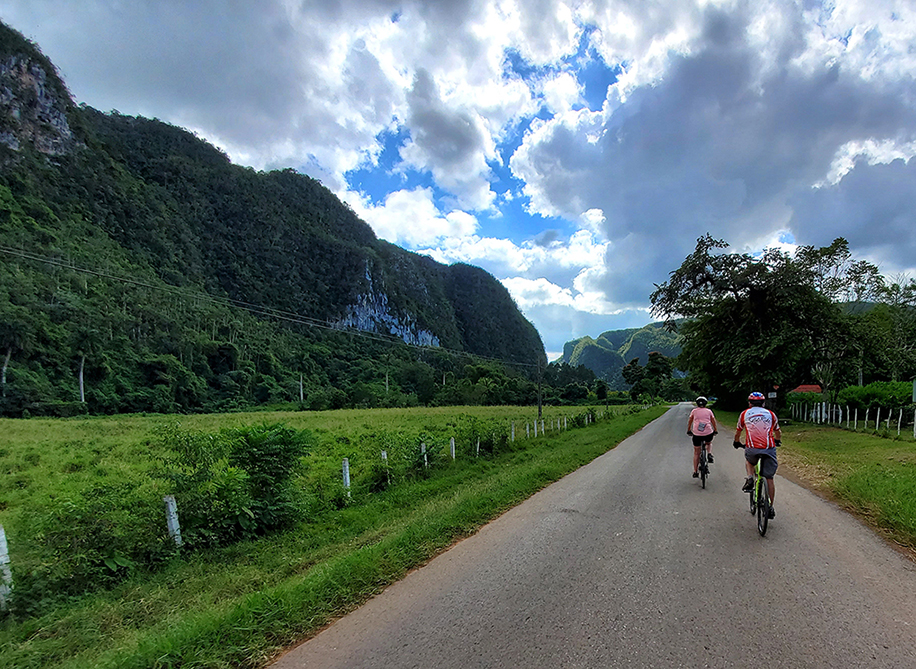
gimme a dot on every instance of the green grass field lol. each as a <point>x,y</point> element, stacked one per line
<point>239,605</point>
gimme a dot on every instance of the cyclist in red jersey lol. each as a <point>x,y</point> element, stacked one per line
<point>701,425</point>
<point>762,437</point>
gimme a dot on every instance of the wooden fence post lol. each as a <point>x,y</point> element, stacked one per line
<point>6,576</point>
<point>171,519</point>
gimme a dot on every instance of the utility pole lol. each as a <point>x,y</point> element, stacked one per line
<point>539,387</point>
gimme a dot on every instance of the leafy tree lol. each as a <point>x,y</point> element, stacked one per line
<point>761,322</point>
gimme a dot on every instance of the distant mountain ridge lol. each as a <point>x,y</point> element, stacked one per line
<point>612,350</point>
<point>134,197</point>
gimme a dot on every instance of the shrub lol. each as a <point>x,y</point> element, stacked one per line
<point>235,484</point>
<point>883,394</point>
<point>90,541</point>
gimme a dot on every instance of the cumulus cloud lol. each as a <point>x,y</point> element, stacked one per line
<point>411,218</point>
<point>728,141</point>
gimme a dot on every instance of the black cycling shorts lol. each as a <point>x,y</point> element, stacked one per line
<point>698,440</point>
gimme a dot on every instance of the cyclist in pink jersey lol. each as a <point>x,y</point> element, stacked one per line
<point>762,437</point>
<point>701,425</point>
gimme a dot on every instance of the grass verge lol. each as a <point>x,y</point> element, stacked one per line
<point>239,606</point>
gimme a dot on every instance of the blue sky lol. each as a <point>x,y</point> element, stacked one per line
<point>574,149</point>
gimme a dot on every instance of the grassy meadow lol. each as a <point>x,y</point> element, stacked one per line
<point>238,605</point>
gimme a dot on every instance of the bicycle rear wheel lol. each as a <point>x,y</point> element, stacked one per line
<point>704,469</point>
<point>763,508</point>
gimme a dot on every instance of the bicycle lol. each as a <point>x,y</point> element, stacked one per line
<point>703,467</point>
<point>703,463</point>
<point>760,500</point>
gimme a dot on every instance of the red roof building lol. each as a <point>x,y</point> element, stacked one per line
<point>807,388</point>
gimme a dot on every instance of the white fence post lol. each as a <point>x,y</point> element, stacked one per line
<point>527,430</point>
<point>542,427</point>
<point>855,424</point>
<point>878,419</point>
<point>865,424</point>
<point>847,416</point>
<point>423,451</point>
<point>171,519</point>
<point>899,421</point>
<point>513,430</point>
<point>565,424</point>
<point>6,576</point>
<point>387,469</point>
<point>452,445</point>
<point>346,475</point>
<point>477,453</point>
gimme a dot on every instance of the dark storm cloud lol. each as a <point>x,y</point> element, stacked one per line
<point>872,207</point>
<point>446,137</point>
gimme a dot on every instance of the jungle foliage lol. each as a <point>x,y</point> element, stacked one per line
<point>140,270</point>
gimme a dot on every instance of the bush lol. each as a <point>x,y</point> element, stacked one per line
<point>883,394</point>
<point>91,541</point>
<point>236,484</point>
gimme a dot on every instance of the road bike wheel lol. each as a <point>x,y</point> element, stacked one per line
<point>763,508</point>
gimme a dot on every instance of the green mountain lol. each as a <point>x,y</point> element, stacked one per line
<point>607,355</point>
<point>141,270</point>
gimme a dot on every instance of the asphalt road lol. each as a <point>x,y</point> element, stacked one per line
<point>629,563</point>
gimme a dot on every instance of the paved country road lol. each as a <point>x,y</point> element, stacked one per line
<point>627,562</point>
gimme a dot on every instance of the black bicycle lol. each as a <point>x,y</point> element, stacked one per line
<point>703,467</point>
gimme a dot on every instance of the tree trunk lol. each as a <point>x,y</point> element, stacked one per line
<point>82,389</point>
<point>6,363</point>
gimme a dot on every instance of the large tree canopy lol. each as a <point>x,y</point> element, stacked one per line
<point>761,322</point>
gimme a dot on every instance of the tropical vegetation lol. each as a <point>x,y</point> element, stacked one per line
<point>774,321</point>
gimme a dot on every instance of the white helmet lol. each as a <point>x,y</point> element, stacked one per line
<point>700,401</point>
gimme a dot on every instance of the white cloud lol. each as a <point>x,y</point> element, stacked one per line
<point>411,218</point>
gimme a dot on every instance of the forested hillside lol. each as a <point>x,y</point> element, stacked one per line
<point>140,270</point>
<point>607,355</point>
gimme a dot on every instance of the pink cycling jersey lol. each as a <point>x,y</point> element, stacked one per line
<point>760,424</point>
<point>702,421</point>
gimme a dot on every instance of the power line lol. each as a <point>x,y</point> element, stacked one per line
<point>256,309</point>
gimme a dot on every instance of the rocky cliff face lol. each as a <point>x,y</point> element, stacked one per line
<point>371,312</point>
<point>33,109</point>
